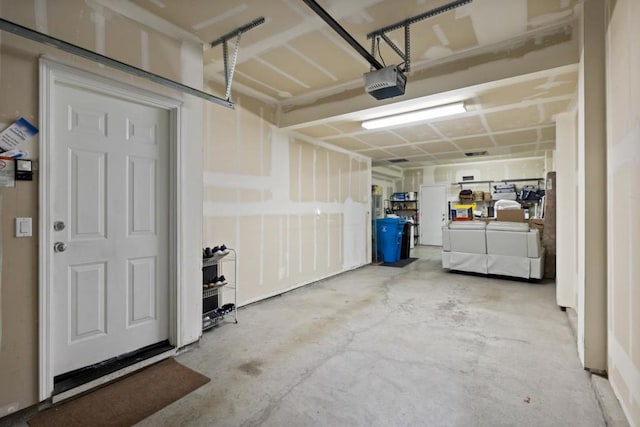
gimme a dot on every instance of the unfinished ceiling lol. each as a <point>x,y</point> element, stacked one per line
<point>295,61</point>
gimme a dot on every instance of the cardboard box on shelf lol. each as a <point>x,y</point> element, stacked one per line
<point>512,215</point>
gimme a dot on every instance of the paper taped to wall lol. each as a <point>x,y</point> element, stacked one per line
<point>16,134</point>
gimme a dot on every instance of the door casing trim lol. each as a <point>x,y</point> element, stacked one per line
<point>52,72</point>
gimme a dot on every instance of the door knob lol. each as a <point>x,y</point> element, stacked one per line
<point>59,247</point>
<point>58,225</point>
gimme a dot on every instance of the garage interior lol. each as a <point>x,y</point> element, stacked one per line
<point>284,178</point>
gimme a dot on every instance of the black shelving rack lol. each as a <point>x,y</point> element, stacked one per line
<point>406,208</point>
<point>212,295</point>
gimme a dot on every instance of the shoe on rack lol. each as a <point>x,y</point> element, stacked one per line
<point>216,253</point>
<point>220,281</point>
<point>228,308</point>
<point>208,253</point>
<point>224,249</point>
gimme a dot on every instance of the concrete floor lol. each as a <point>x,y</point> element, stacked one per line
<point>381,346</point>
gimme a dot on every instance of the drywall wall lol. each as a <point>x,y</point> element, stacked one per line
<point>294,209</point>
<point>623,203</point>
<point>95,28</point>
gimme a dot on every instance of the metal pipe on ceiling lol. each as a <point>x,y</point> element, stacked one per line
<point>343,33</point>
<point>109,62</point>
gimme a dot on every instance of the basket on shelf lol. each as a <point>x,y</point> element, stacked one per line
<point>466,196</point>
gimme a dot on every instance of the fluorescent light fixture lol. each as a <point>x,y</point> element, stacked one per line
<point>416,116</point>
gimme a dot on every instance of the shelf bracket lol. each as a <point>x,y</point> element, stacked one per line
<point>229,70</point>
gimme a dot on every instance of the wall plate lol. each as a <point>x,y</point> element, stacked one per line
<point>24,171</point>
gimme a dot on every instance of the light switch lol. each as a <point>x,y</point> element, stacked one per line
<point>23,227</point>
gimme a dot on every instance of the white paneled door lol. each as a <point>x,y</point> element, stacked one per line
<point>433,213</point>
<point>110,172</point>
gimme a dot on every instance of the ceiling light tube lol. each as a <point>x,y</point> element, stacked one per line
<point>416,116</point>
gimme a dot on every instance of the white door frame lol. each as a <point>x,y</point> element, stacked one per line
<point>51,73</point>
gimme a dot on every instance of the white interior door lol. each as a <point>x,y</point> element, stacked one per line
<point>110,173</point>
<point>433,213</point>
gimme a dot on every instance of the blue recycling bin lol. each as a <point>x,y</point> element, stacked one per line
<point>389,238</point>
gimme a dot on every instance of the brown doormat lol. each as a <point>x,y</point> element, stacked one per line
<point>127,401</point>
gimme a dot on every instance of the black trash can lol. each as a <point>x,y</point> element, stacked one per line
<point>405,247</point>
